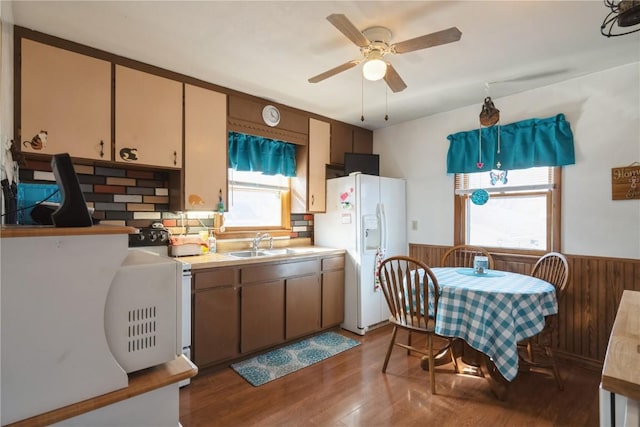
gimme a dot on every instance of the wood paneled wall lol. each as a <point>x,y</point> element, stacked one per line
<point>591,301</point>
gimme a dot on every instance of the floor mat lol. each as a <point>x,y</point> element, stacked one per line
<point>284,360</point>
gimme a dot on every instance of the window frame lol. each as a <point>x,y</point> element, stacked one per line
<point>554,210</point>
<point>284,229</point>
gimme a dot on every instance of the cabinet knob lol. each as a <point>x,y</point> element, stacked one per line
<point>313,200</point>
<point>175,158</point>
<point>101,148</point>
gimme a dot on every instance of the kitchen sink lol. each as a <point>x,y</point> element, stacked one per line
<point>289,251</point>
<point>269,252</point>
<point>294,251</point>
<point>249,254</point>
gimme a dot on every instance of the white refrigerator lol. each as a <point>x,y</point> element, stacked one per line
<point>366,216</point>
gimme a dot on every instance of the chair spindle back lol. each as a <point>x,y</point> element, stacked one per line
<point>463,255</point>
<point>553,268</point>
<point>408,298</point>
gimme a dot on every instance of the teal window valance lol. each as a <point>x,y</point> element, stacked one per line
<point>520,145</point>
<point>255,153</point>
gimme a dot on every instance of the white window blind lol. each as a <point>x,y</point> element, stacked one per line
<point>255,199</point>
<point>521,180</point>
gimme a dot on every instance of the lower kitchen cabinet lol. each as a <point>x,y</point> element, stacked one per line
<point>216,316</point>
<point>262,317</point>
<point>216,331</point>
<point>243,309</point>
<point>303,306</point>
<point>332,278</point>
<point>332,298</point>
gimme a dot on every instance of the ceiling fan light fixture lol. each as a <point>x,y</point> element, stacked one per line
<point>374,69</point>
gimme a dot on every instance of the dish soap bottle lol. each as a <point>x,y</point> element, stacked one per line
<point>212,242</point>
<point>220,203</point>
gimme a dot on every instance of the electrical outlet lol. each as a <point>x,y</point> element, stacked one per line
<point>414,224</point>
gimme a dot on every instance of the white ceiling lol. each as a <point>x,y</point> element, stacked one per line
<point>270,48</point>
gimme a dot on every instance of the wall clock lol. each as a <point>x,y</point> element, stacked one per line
<point>271,115</point>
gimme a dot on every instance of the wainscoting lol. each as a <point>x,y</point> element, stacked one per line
<point>591,300</point>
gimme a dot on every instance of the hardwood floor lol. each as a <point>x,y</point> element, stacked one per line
<point>349,389</point>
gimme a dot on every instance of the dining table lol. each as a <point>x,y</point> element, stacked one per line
<point>491,313</point>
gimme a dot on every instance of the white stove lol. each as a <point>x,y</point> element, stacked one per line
<point>155,239</point>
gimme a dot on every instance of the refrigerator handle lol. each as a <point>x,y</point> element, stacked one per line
<point>382,221</point>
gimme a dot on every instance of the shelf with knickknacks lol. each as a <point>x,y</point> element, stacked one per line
<point>489,116</point>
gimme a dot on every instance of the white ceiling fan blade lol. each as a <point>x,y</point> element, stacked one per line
<point>429,40</point>
<point>334,71</point>
<point>346,27</point>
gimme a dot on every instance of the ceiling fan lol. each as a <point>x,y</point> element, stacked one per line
<point>374,46</point>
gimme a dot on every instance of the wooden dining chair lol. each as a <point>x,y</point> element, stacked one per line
<point>413,308</point>
<point>463,255</point>
<point>553,268</point>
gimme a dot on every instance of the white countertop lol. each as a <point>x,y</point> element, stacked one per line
<point>224,259</point>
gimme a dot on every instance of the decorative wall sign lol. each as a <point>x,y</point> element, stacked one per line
<point>625,182</point>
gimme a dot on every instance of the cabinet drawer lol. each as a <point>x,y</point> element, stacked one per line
<point>333,263</point>
<point>215,278</point>
<point>277,271</point>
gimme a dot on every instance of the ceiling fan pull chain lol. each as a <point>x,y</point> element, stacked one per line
<point>386,104</point>
<point>362,98</point>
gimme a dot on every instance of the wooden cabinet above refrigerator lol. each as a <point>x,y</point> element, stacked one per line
<point>349,139</point>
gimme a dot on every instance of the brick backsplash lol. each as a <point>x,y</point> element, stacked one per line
<point>135,197</point>
<point>302,225</point>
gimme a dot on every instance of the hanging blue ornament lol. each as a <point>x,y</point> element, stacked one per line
<point>479,197</point>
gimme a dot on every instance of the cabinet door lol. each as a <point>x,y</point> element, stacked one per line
<point>216,326</point>
<point>332,298</point>
<point>262,315</point>
<point>341,142</point>
<point>319,147</point>
<point>68,95</point>
<point>303,306</point>
<point>148,119</point>
<point>205,156</point>
<point>362,141</point>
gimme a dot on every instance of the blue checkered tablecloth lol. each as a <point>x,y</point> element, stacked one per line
<point>493,312</point>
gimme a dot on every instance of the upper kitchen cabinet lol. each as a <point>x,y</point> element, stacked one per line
<point>67,96</point>
<point>205,157</point>
<point>362,141</point>
<point>341,142</point>
<point>319,146</point>
<point>148,119</point>
<point>349,139</point>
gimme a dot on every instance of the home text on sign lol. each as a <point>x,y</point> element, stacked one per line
<point>625,183</point>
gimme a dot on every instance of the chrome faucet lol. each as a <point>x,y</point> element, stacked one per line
<point>260,237</point>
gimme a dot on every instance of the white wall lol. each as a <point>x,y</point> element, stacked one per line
<point>604,112</point>
<point>6,87</point>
